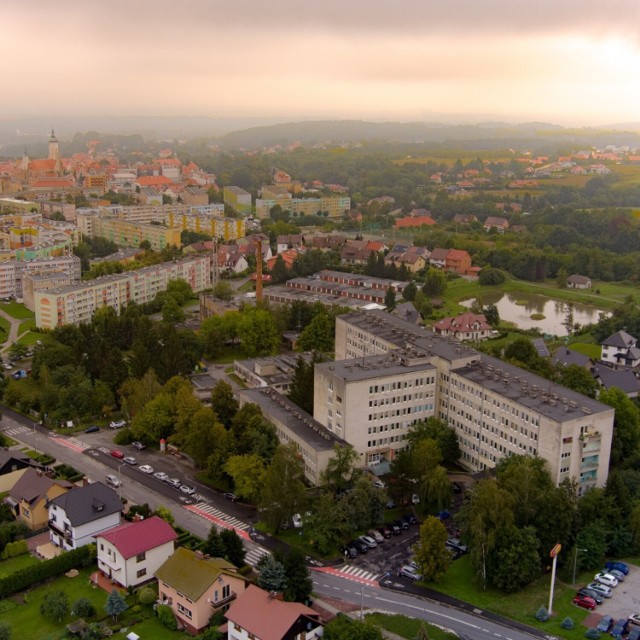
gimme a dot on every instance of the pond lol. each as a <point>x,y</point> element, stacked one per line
<point>519,307</point>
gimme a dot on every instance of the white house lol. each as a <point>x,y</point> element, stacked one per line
<point>131,553</point>
<point>620,349</point>
<point>78,516</point>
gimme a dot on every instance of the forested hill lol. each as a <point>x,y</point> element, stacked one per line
<point>487,135</point>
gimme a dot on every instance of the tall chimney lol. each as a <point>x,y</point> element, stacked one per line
<point>259,273</point>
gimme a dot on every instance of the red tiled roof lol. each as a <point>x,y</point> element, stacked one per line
<point>414,222</point>
<point>53,182</point>
<point>268,618</point>
<point>153,181</point>
<point>132,538</point>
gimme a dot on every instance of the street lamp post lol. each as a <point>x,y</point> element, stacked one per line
<point>361,602</point>
<point>575,563</point>
<point>120,479</point>
<point>35,438</point>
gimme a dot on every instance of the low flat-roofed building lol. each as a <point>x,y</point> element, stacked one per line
<point>274,371</point>
<point>315,443</point>
<point>289,295</point>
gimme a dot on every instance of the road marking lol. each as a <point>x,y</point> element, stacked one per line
<point>72,443</point>
<point>220,518</point>
<point>253,556</point>
<point>15,431</point>
<point>352,573</point>
<point>430,611</point>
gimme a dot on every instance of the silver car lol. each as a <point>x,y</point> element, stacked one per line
<point>600,588</point>
<point>409,572</point>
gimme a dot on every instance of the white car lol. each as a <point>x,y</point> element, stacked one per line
<point>415,499</point>
<point>145,468</point>
<point>634,618</point>
<point>606,579</point>
<point>130,460</point>
<point>160,475</point>
<point>369,541</point>
<point>185,488</point>
<point>113,481</point>
<point>297,520</point>
<point>118,424</point>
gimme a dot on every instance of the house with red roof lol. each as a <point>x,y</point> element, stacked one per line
<point>409,222</point>
<point>467,326</point>
<point>458,261</point>
<point>259,614</point>
<point>497,223</point>
<point>131,553</point>
<point>153,181</point>
<point>289,256</point>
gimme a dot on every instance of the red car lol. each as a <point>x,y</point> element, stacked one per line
<point>116,453</point>
<point>585,602</point>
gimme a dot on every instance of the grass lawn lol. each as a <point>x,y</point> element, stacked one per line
<point>408,627</point>
<point>30,338</point>
<point>152,628</point>
<point>228,355</point>
<point>522,606</point>
<point>590,350</point>
<point>246,287</point>
<point>27,325</point>
<point>7,567</point>
<point>15,310</point>
<point>5,327</point>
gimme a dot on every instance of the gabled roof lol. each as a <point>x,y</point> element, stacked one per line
<point>32,486</point>
<point>621,340</point>
<point>132,538</point>
<point>439,254</point>
<point>263,615</point>
<point>192,574</point>
<point>578,279</point>
<point>21,460</point>
<point>566,357</point>
<point>623,379</point>
<point>88,503</point>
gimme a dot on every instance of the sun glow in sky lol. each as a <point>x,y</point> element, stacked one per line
<point>572,62</point>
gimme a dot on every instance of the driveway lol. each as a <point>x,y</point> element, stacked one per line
<point>625,599</point>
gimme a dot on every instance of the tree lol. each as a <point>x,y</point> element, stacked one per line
<point>213,544</point>
<point>223,291</point>
<point>54,605</point>
<point>434,282</point>
<point>579,379</point>
<point>431,554</point>
<point>5,630</point>
<point>344,628</point>
<point>340,470</point>
<point>260,334</point>
<point>492,315</point>
<point>279,272</point>
<point>172,312</point>
<point>224,402</point>
<point>283,492</point>
<point>83,608</point>
<point>247,472</point>
<point>233,547</point>
<point>299,584</point>
<point>301,387</point>
<point>390,299</point>
<point>490,275</point>
<point>164,513</point>
<point>327,525</point>
<point>514,561</point>
<point>436,489</point>
<point>115,604</point>
<point>147,595</point>
<point>146,245</point>
<point>438,430</point>
<point>409,292</point>
<point>626,426</point>
<point>319,334</point>
<point>273,576</point>
<point>18,350</point>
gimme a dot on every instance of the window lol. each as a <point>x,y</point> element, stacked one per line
<point>142,572</point>
<point>226,591</point>
<point>141,556</point>
<point>184,611</point>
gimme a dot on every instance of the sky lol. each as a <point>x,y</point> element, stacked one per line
<point>570,62</point>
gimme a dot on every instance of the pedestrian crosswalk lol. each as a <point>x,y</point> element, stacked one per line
<point>220,518</point>
<point>16,431</point>
<point>71,443</point>
<point>353,573</point>
<point>254,555</point>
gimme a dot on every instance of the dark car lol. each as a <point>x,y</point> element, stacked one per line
<point>620,628</point>
<point>92,429</point>
<point>585,602</point>
<point>360,545</point>
<point>385,531</point>
<point>410,518</point>
<point>605,624</point>
<point>620,566</point>
<point>443,515</point>
<point>598,597</point>
<point>230,496</point>
<point>402,524</point>
<point>349,550</point>
<point>396,529</point>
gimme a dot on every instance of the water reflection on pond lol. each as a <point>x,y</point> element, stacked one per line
<point>554,311</point>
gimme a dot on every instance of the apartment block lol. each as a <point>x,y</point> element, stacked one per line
<point>76,304</point>
<point>495,408</point>
<point>335,206</point>
<point>237,198</point>
<point>12,273</point>
<point>130,234</point>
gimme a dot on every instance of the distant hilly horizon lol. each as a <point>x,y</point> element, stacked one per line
<point>245,133</point>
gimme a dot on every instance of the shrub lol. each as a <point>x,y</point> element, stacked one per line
<point>83,608</point>
<point>592,634</point>
<point>567,623</point>
<point>13,549</point>
<point>147,595</point>
<point>124,436</point>
<point>5,630</point>
<point>542,614</point>
<point>166,617</point>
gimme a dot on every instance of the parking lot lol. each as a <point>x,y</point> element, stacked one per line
<point>625,599</point>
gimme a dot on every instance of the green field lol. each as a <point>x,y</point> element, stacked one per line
<point>30,338</point>
<point>16,310</point>
<point>27,325</point>
<point>408,627</point>
<point>7,567</point>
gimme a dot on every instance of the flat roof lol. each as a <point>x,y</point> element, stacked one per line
<point>295,419</point>
<point>393,363</point>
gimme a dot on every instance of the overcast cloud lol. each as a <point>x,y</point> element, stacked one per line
<point>568,61</point>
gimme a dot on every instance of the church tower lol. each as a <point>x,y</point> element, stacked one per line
<point>25,164</point>
<point>54,150</point>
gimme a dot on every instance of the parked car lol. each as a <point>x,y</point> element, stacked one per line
<point>130,460</point>
<point>409,572</point>
<point>620,628</point>
<point>92,429</point>
<point>118,424</point>
<point>114,481</point>
<point>598,597</point>
<point>361,546</point>
<point>116,453</point>
<point>585,602</point>
<point>376,535</point>
<point>369,541</point>
<point>605,624</point>
<point>396,529</point>
<point>634,634</point>
<point>415,499</point>
<point>620,566</point>
<point>174,482</point>
<point>230,496</point>
<point>185,488</point>
<point>145,468</point>
<point>618,575</point>
<point>600,588</point>
<point>606,579</point>
<point>160,475</point>
<point>409,518</point>
<point>402,524</point>
<point>385,531</point>
<point>443,515</point>
<point>390,504</point>
<point>349,550</point>
<point>456,545</point>
<point>297,521</point>
<point>138,445</point>
<point>634,618</point>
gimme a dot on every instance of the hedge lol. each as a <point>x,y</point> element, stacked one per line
<point>12,549</point>
<point>37,573</point>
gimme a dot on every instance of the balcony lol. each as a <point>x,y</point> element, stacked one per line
<point>223,601</point>
<point>65,533</point>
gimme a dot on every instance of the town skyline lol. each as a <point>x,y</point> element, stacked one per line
<point>564,62</point>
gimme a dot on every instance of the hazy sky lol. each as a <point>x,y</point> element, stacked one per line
<point>565,61</point>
